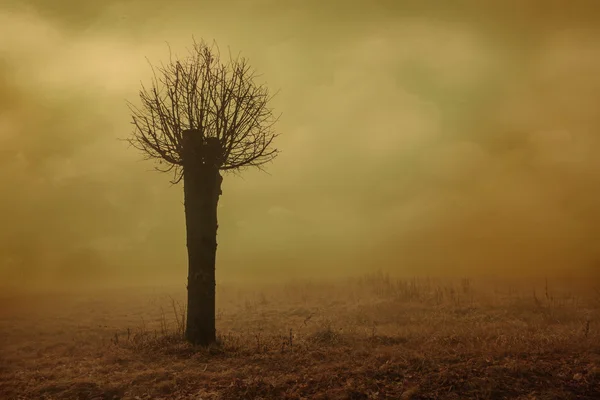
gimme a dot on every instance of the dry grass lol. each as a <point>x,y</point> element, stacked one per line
<point>369,338</point>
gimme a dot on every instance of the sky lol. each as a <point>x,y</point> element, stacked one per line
<point>421,138</point>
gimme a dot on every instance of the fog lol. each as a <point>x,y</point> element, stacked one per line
<point>420,140</point>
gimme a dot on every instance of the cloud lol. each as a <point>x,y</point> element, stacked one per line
<point>414,138</point>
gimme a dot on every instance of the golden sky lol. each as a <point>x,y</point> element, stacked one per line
<point>418,137</point>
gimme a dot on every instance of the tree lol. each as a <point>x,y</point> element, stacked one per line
<point>202,116</point>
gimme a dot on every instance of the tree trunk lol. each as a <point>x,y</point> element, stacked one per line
<point>202,188</point>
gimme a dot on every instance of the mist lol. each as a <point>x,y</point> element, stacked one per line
<point>416,139</point>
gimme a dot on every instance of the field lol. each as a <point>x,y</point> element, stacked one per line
<point>373,337</point>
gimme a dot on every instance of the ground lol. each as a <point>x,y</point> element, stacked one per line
<point>373,337</point>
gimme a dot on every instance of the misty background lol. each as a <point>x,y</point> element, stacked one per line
<point>421,139</point>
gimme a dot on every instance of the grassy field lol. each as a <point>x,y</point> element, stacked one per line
<point>367,338</point>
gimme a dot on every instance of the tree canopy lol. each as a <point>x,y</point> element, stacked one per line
<point>211,99</point>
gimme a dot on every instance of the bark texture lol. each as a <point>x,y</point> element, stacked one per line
<point>202,188</point>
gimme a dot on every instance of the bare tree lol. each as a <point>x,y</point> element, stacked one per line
<point>201,116</point>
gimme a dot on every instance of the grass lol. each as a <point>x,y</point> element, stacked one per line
<point>370,338</point>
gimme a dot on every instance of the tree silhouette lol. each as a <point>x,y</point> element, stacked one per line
<point>199,117</point>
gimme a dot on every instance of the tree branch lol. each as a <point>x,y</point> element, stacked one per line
<point>215,100</point>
